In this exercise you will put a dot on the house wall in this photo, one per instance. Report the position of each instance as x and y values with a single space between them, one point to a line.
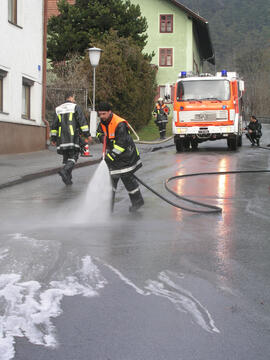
21 56
52 7
181 40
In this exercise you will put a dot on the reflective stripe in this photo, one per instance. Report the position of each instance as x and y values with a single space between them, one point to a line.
59 131
59 117
125 170
110 157
137 152
71 160
68 145
70 116
85 128
118 149
54 132
134 191
71 130
117 152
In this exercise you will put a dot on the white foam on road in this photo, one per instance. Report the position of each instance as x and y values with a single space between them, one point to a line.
171 290
3 253
27 309
27 306
182 299
127 281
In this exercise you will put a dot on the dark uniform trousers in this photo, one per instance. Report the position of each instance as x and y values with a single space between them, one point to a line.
70 158
131 186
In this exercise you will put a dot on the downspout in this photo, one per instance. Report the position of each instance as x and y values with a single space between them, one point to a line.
44 69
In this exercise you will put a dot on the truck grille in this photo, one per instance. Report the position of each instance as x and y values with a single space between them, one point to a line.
201 116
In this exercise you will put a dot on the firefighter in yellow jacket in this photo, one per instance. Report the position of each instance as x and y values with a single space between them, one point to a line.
122 156
68 123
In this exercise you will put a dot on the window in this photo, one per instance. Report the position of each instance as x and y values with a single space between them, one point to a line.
163 92
165 57
203 90
26 98
3 73
166 23
12 11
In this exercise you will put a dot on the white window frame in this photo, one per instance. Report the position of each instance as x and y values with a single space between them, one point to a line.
3 74
26 98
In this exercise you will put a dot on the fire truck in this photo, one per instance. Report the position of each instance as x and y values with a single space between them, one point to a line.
208 107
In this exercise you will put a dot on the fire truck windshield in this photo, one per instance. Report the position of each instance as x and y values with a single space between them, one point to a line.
203 90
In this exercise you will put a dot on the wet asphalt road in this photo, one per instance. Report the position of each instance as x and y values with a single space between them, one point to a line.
160 284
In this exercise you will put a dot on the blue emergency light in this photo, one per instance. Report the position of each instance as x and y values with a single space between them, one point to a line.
223 72
183 74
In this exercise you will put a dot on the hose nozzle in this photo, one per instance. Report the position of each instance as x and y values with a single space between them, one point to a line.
104 147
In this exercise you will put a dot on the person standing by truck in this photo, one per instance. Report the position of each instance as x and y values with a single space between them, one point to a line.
161 113
254 131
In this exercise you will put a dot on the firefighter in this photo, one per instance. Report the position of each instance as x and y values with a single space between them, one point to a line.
161 113
122 156
254 129
68 122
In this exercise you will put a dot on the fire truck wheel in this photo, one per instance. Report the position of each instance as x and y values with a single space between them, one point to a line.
232 143
179 144
186 143
194 144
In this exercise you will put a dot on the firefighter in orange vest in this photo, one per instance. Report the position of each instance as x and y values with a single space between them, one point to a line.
161 113
122 156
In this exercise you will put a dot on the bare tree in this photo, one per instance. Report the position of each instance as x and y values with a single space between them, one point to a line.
66 76
254 68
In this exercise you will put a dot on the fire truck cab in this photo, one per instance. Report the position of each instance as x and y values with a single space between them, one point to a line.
208 107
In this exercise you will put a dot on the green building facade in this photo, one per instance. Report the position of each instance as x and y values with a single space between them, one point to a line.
179 38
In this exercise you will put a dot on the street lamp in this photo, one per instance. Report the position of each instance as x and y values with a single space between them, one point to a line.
94 56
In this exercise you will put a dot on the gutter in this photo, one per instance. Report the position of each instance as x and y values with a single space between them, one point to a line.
44 70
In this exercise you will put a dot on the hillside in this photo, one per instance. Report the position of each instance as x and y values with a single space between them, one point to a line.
236 26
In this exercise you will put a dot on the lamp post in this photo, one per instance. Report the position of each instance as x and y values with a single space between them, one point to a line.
94 56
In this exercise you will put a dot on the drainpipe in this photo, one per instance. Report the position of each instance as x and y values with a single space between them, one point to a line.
44 69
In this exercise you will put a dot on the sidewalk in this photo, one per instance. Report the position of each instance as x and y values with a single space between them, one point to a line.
18 168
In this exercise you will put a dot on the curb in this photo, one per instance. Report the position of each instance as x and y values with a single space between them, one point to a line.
44 173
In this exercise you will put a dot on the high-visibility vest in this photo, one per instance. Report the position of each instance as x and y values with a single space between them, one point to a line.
162 107
112 126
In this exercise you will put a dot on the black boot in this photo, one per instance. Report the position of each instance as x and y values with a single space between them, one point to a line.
65 177
65 173
136 201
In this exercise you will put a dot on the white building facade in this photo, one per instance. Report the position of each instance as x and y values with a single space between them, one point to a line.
22 39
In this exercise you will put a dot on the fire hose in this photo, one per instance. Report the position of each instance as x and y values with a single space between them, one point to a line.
138 141
211 208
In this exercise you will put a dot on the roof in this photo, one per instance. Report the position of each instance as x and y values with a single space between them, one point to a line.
201 27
